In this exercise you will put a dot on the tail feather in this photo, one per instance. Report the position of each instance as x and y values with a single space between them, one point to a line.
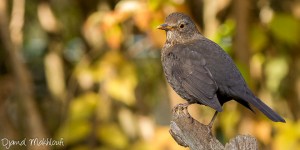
266 110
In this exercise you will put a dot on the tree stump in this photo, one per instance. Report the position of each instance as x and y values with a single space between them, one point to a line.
188 132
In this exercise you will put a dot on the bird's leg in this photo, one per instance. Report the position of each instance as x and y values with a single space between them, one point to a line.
213 119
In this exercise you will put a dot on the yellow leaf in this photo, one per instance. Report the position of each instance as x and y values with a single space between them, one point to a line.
74 131
118 77
111 135
84 106
114 36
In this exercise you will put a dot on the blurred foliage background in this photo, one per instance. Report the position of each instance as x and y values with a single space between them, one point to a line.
89 71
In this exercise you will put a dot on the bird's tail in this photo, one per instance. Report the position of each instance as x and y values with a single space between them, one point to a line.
265 109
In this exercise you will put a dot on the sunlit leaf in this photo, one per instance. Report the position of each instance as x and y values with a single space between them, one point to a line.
110 134
122 88
114 36
118 77
224 35
77 126
92 31
84 106
276 70
258 38
229 119
74 131
154 4
286 28
288 136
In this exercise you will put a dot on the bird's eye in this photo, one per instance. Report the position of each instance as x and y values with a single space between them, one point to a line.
181 26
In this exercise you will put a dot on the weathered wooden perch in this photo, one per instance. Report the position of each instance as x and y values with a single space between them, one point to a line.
188 132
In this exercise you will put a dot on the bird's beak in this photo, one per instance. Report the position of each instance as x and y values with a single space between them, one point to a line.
164 27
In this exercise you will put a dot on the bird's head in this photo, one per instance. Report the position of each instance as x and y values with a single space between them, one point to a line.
179 28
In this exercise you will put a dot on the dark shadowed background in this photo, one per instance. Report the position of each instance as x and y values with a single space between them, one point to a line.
88 72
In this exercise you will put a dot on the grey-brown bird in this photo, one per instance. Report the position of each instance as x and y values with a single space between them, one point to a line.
200 71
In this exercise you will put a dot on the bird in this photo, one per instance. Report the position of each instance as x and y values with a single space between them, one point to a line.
201 72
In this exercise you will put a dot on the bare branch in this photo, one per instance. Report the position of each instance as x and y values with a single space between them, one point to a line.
22 76
188 132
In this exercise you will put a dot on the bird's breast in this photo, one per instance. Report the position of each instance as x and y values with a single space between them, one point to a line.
172 78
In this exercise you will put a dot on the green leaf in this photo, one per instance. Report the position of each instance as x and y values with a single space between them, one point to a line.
287 136
74 131
111 135
224 35
258 38
77 127
118 77
276 70
286 28
84 106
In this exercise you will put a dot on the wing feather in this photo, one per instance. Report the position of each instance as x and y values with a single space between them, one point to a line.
190 69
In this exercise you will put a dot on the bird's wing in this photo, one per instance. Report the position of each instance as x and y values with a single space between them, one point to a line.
190 69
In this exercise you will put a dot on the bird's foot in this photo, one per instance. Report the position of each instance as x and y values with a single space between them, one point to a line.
213 120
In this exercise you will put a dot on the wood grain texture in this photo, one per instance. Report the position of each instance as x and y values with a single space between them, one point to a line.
188 132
